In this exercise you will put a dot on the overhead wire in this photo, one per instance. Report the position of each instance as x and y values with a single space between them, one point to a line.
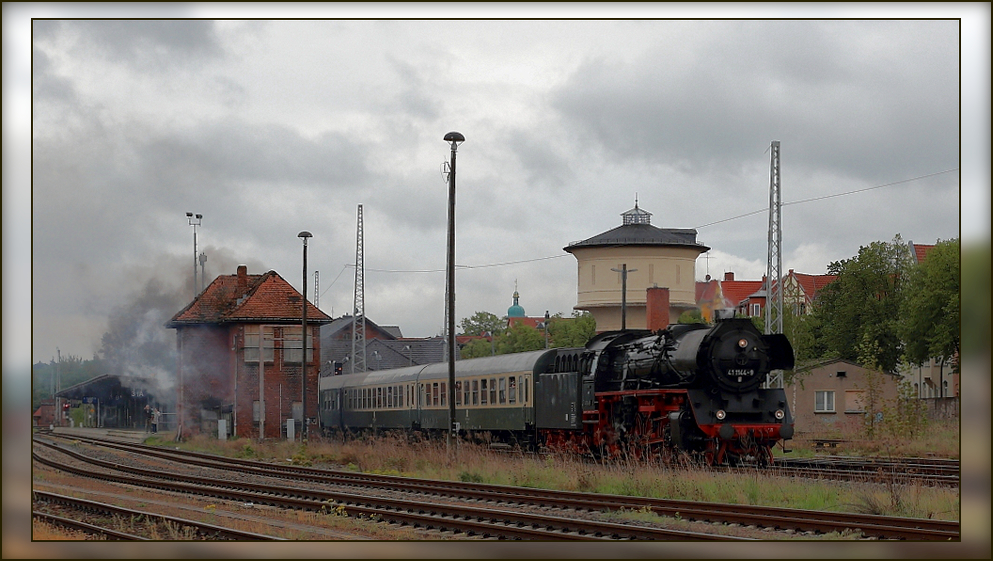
754 212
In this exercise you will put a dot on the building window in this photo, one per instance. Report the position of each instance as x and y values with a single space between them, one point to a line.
253 334
854 401
255 411
824 402
756 310
291 344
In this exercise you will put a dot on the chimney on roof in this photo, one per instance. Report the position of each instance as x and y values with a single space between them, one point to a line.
658 308
242 276
729 275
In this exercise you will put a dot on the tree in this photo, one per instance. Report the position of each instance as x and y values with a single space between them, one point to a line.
477 348
571 332
520 338
930 315
691 316
481 323
862 305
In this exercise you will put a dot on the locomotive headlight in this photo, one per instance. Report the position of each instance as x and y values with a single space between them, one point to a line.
780 414
720 414
742 343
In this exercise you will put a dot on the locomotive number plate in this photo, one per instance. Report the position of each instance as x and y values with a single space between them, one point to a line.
741 372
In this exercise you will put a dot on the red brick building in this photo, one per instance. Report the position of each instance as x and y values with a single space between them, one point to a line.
239 357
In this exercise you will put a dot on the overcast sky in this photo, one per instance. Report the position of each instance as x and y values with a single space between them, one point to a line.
271 127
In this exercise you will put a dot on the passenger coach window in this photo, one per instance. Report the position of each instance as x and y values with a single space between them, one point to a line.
458 393
503 391
493 391
482 392
475 392
444 394
512 398
434 393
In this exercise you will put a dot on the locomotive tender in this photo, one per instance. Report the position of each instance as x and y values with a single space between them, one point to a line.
693 389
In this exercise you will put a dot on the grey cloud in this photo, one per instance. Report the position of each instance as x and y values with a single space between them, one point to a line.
543 164
148 45
233 151
413 98
711 106
46 85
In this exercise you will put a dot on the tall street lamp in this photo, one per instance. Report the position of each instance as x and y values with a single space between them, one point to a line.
455 139
194 220
305 235
547 318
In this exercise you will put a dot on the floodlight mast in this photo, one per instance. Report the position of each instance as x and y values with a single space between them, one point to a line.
454 139
304 235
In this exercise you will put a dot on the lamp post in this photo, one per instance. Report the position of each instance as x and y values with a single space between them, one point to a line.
305 235
547 317
454 138
624 293
194 220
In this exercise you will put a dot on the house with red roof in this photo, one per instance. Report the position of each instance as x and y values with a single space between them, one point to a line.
241 358
748 297
936 380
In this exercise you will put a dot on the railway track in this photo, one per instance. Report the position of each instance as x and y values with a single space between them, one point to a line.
58 510
470 520
766 517
898 471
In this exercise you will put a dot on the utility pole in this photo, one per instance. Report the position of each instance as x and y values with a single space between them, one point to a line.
194 220
774 264
358 315
624 293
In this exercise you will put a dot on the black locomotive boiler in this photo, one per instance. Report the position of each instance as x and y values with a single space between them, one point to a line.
688 389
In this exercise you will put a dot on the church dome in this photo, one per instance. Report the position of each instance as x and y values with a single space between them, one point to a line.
516 311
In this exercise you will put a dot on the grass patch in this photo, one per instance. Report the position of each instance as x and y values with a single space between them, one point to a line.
394 454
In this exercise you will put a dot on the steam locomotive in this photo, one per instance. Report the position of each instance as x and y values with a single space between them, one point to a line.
687 391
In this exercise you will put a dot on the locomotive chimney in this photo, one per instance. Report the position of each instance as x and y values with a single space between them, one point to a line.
242 276
657 312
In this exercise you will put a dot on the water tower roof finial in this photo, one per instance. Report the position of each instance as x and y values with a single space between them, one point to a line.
636 215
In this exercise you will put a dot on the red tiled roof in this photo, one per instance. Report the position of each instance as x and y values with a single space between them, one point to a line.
921 251
256 298
812 284
735 290
528 321
706 291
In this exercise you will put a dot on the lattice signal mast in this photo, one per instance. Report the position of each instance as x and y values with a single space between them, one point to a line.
358 313
774 266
